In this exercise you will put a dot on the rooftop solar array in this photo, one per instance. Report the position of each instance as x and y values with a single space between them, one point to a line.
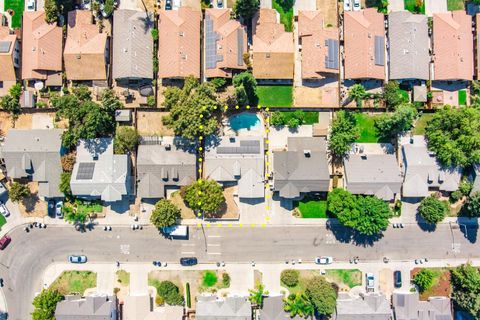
379 51
5 46
240 33
85 170
211 38
239 150
331 60
249 143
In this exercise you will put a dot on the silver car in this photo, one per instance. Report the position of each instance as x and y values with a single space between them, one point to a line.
356 5
77 259
346 5
323 260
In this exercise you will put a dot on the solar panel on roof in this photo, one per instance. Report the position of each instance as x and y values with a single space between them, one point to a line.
85 170
211 38
331 60
239 150
244 143
379 51
5 46
240 47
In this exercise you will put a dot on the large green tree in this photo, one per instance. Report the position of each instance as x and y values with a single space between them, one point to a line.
322 295
245 89
298 305
344 133
357 93
126 139
11 102
18 191
424 279
192 109
392 94
204 195
246 9
165 214
257 295
432 209
466 289
391 125
45 304
366 214
454 135
472 207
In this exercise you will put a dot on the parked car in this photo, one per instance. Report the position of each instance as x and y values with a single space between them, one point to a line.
4 210
59 209
323 260
370 281
51 208
220 4
397 279
346 5
86 4
4 241
168 4
77 259
356 5
190 261
31 5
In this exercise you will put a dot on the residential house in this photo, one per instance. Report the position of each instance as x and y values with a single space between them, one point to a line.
87 51
319 46
232 160
141 308
163 168
408 46
225 43
373 174
179 43
272 309
132 48
98 173
301 168
9 58
408 306
364 44
452 46
230 308
422 171
88 308
42 46
371 306
273 47
35 154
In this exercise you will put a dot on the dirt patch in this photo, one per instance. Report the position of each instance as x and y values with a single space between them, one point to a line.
186 213
329 8
315 97
441 283
33 206
149 123
230 208
122 285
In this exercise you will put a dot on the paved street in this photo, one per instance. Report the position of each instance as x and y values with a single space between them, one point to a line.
25 260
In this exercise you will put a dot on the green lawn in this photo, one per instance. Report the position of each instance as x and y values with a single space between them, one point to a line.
348 277
286 14
70 282
410 5
123 277
462 97
365 124
311 117
421 123
93 207
312 208
2 221
275 96
17 7
455 5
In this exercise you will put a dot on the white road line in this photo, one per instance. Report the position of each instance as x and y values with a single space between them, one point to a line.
187 252
213 245
216 253
188 245
214 236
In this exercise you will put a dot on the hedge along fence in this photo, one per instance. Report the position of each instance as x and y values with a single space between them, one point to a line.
187 295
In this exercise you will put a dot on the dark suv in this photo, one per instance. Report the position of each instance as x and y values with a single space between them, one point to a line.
188 261
397 279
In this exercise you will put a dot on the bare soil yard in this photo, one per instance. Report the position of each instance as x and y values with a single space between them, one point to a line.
329 8
32 206
150 123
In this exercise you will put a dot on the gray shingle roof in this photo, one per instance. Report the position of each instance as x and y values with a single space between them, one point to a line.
373 174
232 308
366 307
132 44
36 154
88 308
407 306
409 50
303 168
272 309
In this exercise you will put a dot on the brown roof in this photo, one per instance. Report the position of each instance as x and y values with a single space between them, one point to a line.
84 53
314 37
452 46
42 46
273 48
179 43
7 67
229 47
362 29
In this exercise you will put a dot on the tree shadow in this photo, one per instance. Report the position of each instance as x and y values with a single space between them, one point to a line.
424 225
30 202
348 235
469 228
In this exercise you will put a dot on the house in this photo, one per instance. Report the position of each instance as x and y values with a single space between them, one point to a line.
319 45
272 309
9 58
35 154
409 49
42 46
132 47
98 173
302 168
364 44
87 51
273 48
232 160
141 308
179 43
423 172
452 46
225 43
373 174
163 168
88 308
230 308
408 306
371 306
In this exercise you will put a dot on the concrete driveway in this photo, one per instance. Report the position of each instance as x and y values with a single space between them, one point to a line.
396 5
435 6
304 5
266 4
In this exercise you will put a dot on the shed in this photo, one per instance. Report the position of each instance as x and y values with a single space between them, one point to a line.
420 94
28 99
123 115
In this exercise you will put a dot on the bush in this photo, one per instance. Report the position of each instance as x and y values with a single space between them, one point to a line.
187 295
68 161
209 279
432 209
116 290
455 196
170 293
465 187
322 295
289 277
226 280
424 279
151 101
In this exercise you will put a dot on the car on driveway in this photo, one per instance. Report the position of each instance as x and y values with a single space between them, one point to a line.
51 208
4 241
347 5
59 209
370 281
323 260
77 259
168 4
356 5
31 5
190 261
397 279
4 210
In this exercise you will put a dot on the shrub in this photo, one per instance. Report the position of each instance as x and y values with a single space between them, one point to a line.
226 280
151 101
170 293
116 290
187 295
465 187
432 209
424 279
289 277
68 161
455 196
209 279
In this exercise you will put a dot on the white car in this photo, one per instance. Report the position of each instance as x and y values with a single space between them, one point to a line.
31 5
370 281
4 210
346 5
323 260
356 5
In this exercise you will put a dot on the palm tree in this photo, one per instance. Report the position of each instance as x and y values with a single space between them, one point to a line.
298 305
257 295
357 93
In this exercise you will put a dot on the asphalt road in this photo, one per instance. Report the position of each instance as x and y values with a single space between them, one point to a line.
24 261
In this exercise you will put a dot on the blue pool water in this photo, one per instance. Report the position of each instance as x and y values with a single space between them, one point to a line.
244 120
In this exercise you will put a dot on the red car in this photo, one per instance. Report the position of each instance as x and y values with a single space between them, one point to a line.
4 242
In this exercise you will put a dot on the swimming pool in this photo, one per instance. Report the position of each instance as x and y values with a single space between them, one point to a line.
244 120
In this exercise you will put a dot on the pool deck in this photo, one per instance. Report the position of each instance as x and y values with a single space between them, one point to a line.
257 130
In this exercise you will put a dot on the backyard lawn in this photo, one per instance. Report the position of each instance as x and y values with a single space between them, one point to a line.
421 123
286 13
312 208
345 277
17 7
365 124
311 117
2 221
462 98
275 96
70 282
455 5
411 5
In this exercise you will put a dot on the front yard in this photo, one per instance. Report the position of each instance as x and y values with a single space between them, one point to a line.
441 283
310 208
275 96
70 282
286 13
366 126
344 277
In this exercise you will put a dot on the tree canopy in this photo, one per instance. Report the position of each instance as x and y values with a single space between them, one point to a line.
126 140
257 294
432 209
391 125
322 295
64 186
424 279
245 89
392 94
454 135
170 293
11 102
165 214
366 214
204 195
45 304
357 93
246 9
18 191
298 305
472 207
344 133
466 289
